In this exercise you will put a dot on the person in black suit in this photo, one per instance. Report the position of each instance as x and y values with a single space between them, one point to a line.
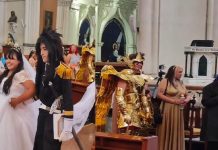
54 89
209 128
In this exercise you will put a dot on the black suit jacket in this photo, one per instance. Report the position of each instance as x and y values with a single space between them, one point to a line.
209 130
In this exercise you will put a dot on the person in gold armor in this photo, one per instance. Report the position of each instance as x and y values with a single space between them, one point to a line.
86 72
171 131
131 96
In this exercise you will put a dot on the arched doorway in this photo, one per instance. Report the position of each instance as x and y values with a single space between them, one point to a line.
113 38
202 69
84 32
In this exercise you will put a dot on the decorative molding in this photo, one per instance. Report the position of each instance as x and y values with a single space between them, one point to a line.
64 2
201 49
29 45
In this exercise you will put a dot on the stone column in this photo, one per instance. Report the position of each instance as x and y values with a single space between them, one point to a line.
191 63
148 35
215 71
31 25
97 44
210 20
186 61
68 21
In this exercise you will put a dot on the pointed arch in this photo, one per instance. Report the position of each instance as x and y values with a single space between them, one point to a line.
202 66
113 34
84 32
116 13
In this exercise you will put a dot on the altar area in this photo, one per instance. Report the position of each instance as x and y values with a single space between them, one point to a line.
200 65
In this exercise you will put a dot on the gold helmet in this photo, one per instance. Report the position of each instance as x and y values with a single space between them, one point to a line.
88 49
139 58
130 59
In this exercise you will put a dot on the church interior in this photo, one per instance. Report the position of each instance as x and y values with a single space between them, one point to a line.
105 32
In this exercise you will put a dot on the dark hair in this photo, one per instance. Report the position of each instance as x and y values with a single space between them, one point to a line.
10 53
54 46
170 74
31 54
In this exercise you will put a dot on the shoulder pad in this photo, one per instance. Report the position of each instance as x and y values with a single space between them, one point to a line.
127 71
64 72
109 70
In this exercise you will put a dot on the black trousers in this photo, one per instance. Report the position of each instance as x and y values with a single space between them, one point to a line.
44 139
212 145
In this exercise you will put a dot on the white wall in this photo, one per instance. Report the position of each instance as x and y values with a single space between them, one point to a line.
5 13
2 22
181 21
215 23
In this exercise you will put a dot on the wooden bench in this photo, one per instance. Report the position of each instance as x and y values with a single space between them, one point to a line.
112 141
78 89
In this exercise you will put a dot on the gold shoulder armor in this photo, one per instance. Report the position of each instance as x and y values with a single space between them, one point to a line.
110 70
64 72
127 71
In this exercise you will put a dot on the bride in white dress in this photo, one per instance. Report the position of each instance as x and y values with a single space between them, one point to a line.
18 113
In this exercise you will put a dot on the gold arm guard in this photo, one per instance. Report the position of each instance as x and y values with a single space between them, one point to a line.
146 112
91 69
120 100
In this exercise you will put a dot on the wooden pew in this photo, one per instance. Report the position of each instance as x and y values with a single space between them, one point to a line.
78 89
112 141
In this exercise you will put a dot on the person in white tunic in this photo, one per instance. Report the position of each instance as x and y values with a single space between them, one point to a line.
18 115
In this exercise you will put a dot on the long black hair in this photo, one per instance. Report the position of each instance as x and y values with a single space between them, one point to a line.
10 55
52 41
171 74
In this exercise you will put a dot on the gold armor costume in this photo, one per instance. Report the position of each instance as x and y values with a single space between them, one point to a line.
134 107
86 71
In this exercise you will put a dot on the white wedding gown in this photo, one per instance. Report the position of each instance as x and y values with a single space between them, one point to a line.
17 125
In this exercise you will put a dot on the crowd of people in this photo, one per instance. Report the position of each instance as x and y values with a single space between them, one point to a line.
35 91
47 75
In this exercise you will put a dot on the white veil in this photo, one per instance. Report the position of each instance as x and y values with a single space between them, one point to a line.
29 69
32 74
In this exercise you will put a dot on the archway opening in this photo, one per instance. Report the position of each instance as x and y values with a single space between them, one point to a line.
202 69
114 41
84 32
